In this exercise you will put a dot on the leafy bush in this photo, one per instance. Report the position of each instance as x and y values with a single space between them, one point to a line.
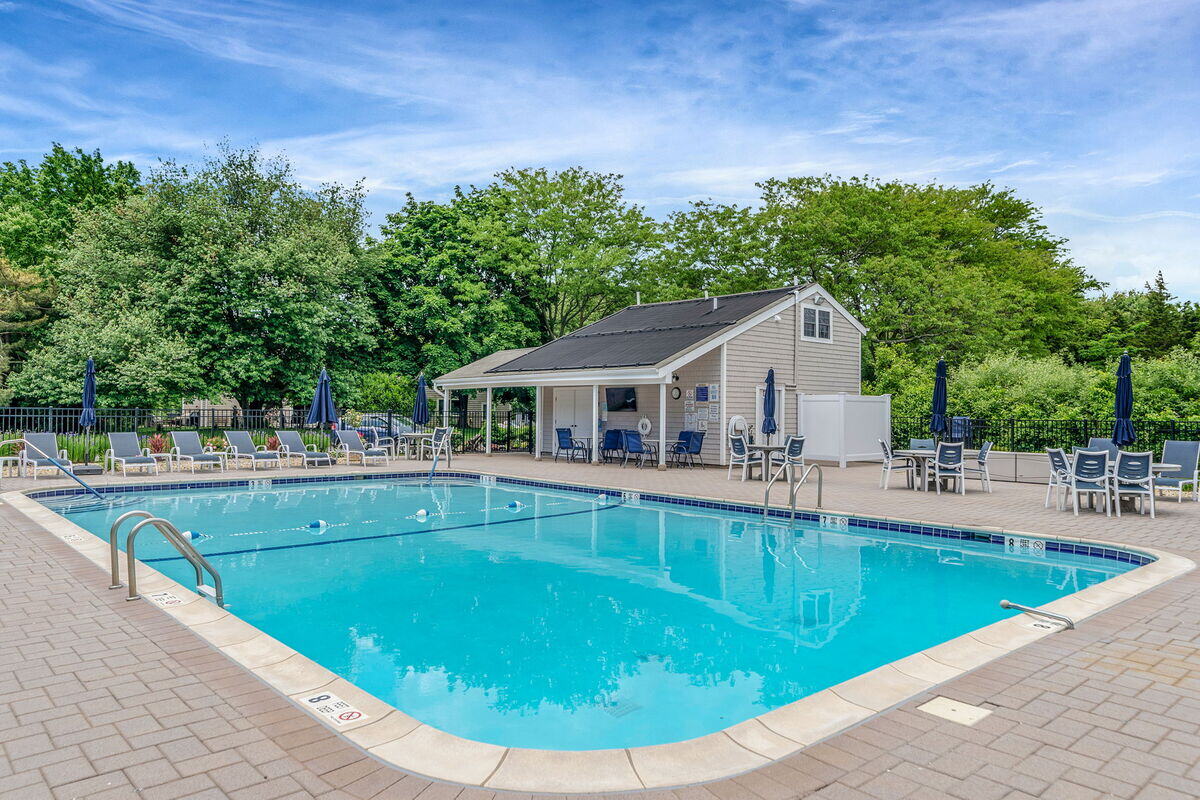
1005 386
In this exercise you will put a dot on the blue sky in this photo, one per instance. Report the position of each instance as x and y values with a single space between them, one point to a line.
1091 108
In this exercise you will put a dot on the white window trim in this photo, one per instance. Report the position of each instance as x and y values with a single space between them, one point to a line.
818 309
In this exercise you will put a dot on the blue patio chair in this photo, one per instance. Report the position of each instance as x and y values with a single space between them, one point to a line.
569 445
1132 475
1096 443
1187 456
922 444
687 449
634 446
1060 474
740 456
792 455
1089 475
948 464
611 447
980 470
679 446
894 463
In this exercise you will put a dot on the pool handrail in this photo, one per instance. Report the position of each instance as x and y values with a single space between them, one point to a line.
793 486
53 461
1065 620
185 549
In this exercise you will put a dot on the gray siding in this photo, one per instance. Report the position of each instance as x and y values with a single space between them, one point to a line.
823 367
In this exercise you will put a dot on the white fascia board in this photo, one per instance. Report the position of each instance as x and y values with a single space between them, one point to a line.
558 378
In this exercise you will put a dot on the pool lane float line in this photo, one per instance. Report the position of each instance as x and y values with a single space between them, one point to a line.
374 537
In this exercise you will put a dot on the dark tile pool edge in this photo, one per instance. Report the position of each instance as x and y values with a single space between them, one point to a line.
1130 556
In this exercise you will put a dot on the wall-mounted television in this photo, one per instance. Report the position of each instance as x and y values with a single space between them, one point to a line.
621 399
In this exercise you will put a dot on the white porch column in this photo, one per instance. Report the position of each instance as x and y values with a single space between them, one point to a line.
446 394
537 423
662 426
724 432
487 417
595 423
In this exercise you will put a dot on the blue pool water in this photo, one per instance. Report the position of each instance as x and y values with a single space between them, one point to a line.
551 619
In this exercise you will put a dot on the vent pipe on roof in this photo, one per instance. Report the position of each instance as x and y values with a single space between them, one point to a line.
715 303
637 298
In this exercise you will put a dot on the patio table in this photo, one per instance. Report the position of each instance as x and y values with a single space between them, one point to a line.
921 455
766 450
412 441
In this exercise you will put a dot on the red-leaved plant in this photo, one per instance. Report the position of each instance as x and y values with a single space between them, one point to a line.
272 442
157 443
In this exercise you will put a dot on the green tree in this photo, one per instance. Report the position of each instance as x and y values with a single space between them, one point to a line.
230 276
441 282
932 269
580 247
39 204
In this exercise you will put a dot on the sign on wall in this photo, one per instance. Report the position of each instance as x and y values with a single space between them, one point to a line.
714 392
702 393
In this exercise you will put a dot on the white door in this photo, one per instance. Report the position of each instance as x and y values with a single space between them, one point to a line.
573 409
780 415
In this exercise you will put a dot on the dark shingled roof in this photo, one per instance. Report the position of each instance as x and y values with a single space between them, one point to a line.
639 336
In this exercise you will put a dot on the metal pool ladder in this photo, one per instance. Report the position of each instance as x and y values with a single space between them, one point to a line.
793 486
177 540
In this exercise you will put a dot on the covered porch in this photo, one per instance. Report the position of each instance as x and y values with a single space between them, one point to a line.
656 401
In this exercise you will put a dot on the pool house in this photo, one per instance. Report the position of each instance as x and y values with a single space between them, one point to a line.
695 365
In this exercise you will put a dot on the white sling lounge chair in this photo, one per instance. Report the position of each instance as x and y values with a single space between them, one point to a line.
125 450
242 448
190 450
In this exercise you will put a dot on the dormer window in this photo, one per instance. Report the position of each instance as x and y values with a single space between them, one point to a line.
817 324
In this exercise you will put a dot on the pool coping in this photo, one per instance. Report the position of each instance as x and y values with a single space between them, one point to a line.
404 742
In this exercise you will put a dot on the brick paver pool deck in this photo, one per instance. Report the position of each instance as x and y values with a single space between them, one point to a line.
102 698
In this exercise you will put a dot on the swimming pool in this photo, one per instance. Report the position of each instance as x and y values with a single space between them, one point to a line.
576 620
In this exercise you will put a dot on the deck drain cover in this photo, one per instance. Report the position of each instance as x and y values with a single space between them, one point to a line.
954 710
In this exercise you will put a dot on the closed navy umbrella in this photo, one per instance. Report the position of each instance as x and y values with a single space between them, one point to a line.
769 426
937 412
1123 433
87 417
420 415
323 411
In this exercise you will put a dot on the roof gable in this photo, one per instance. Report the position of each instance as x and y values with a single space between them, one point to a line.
644 335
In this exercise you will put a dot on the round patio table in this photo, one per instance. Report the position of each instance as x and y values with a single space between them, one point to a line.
765 451
413 441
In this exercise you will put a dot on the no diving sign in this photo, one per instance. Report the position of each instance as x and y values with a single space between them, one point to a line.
333 708
1024 546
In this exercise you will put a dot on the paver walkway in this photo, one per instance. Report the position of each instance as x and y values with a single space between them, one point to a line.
101 698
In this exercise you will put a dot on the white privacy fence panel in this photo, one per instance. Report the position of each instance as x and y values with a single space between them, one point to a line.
843 427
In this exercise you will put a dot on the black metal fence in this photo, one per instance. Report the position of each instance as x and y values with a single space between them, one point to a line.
512 430
1035 435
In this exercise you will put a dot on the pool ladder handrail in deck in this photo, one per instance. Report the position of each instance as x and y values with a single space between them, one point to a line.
793 485
1065 620
54 461
176 539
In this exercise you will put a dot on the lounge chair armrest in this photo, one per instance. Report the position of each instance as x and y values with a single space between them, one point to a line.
146 452
175 451
312 448
262 448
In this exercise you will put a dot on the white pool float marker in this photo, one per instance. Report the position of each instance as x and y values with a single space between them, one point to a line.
421 515
318 523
